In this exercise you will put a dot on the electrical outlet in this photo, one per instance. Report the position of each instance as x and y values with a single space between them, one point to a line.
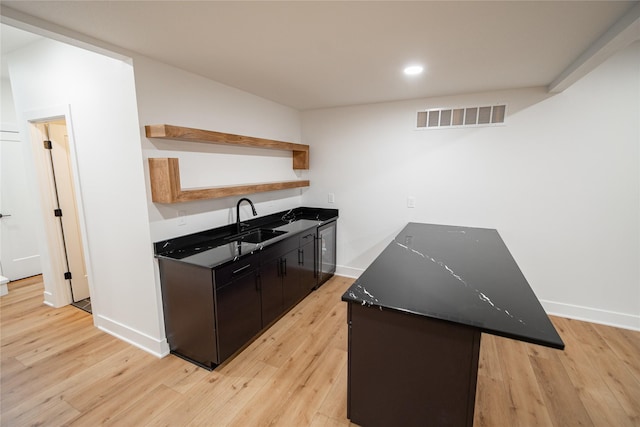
331 198
182 219
411 202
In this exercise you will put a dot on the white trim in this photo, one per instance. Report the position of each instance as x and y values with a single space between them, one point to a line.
61 294
48 298
159 348
4 289
351 272
593 315
26 258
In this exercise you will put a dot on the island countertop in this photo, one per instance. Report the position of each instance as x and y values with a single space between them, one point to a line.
458 274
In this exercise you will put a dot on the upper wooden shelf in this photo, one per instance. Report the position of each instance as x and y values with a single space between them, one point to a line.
300 151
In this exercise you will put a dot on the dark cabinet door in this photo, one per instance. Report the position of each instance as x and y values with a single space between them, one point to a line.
306 260
238 313
290 270
271 284
187 299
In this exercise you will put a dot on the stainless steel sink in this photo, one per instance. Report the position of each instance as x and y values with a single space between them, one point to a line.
257 236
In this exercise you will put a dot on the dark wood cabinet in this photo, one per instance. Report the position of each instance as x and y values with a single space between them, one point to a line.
189 313
292 292
212 313
280 278
271 286
238 312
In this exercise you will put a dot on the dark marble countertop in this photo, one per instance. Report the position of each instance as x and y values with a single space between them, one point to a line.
212 248
459 274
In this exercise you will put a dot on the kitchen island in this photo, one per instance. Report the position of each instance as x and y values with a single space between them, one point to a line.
415 318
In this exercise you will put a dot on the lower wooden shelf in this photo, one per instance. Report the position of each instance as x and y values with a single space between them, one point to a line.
165 185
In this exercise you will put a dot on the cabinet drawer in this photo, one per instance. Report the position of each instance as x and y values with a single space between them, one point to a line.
278 249
236 269
307 237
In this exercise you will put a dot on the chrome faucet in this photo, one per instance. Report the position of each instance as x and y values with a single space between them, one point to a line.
253 208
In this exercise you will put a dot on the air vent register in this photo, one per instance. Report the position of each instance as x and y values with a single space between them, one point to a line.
461 117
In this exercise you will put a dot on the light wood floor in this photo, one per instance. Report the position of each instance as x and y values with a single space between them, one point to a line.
58 369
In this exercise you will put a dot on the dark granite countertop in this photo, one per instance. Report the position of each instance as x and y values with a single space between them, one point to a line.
211 248
459 274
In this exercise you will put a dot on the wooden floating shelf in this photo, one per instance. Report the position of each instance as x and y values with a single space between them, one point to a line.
165 185
300 151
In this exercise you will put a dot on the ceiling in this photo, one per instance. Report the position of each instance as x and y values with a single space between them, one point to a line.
314 54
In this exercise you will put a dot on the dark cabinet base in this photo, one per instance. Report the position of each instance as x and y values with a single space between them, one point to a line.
188 302
410 371
217 298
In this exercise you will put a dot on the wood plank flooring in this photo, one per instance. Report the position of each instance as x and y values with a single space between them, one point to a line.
58 369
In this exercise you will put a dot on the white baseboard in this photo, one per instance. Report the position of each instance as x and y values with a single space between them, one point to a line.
353 273
48 299
157 347
594 315
4 289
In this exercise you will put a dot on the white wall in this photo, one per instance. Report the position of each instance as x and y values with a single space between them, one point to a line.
560 182
7 109
100 93
167 95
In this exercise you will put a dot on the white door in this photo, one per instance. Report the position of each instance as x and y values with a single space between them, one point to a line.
19 254
64 196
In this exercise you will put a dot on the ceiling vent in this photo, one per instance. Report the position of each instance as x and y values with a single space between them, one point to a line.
461 117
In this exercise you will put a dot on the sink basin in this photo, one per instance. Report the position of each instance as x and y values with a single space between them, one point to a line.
257 236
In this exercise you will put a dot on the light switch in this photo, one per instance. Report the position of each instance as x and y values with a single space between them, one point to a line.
331 198
411 202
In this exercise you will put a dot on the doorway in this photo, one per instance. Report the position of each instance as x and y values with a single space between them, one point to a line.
52 151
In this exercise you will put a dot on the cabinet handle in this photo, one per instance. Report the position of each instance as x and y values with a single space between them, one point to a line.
258 282
241 269
283 266
300 256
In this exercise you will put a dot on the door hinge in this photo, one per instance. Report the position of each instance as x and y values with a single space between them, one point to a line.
57 212
67 275
47 145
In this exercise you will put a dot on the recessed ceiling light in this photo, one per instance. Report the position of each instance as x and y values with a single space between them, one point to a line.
412 70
